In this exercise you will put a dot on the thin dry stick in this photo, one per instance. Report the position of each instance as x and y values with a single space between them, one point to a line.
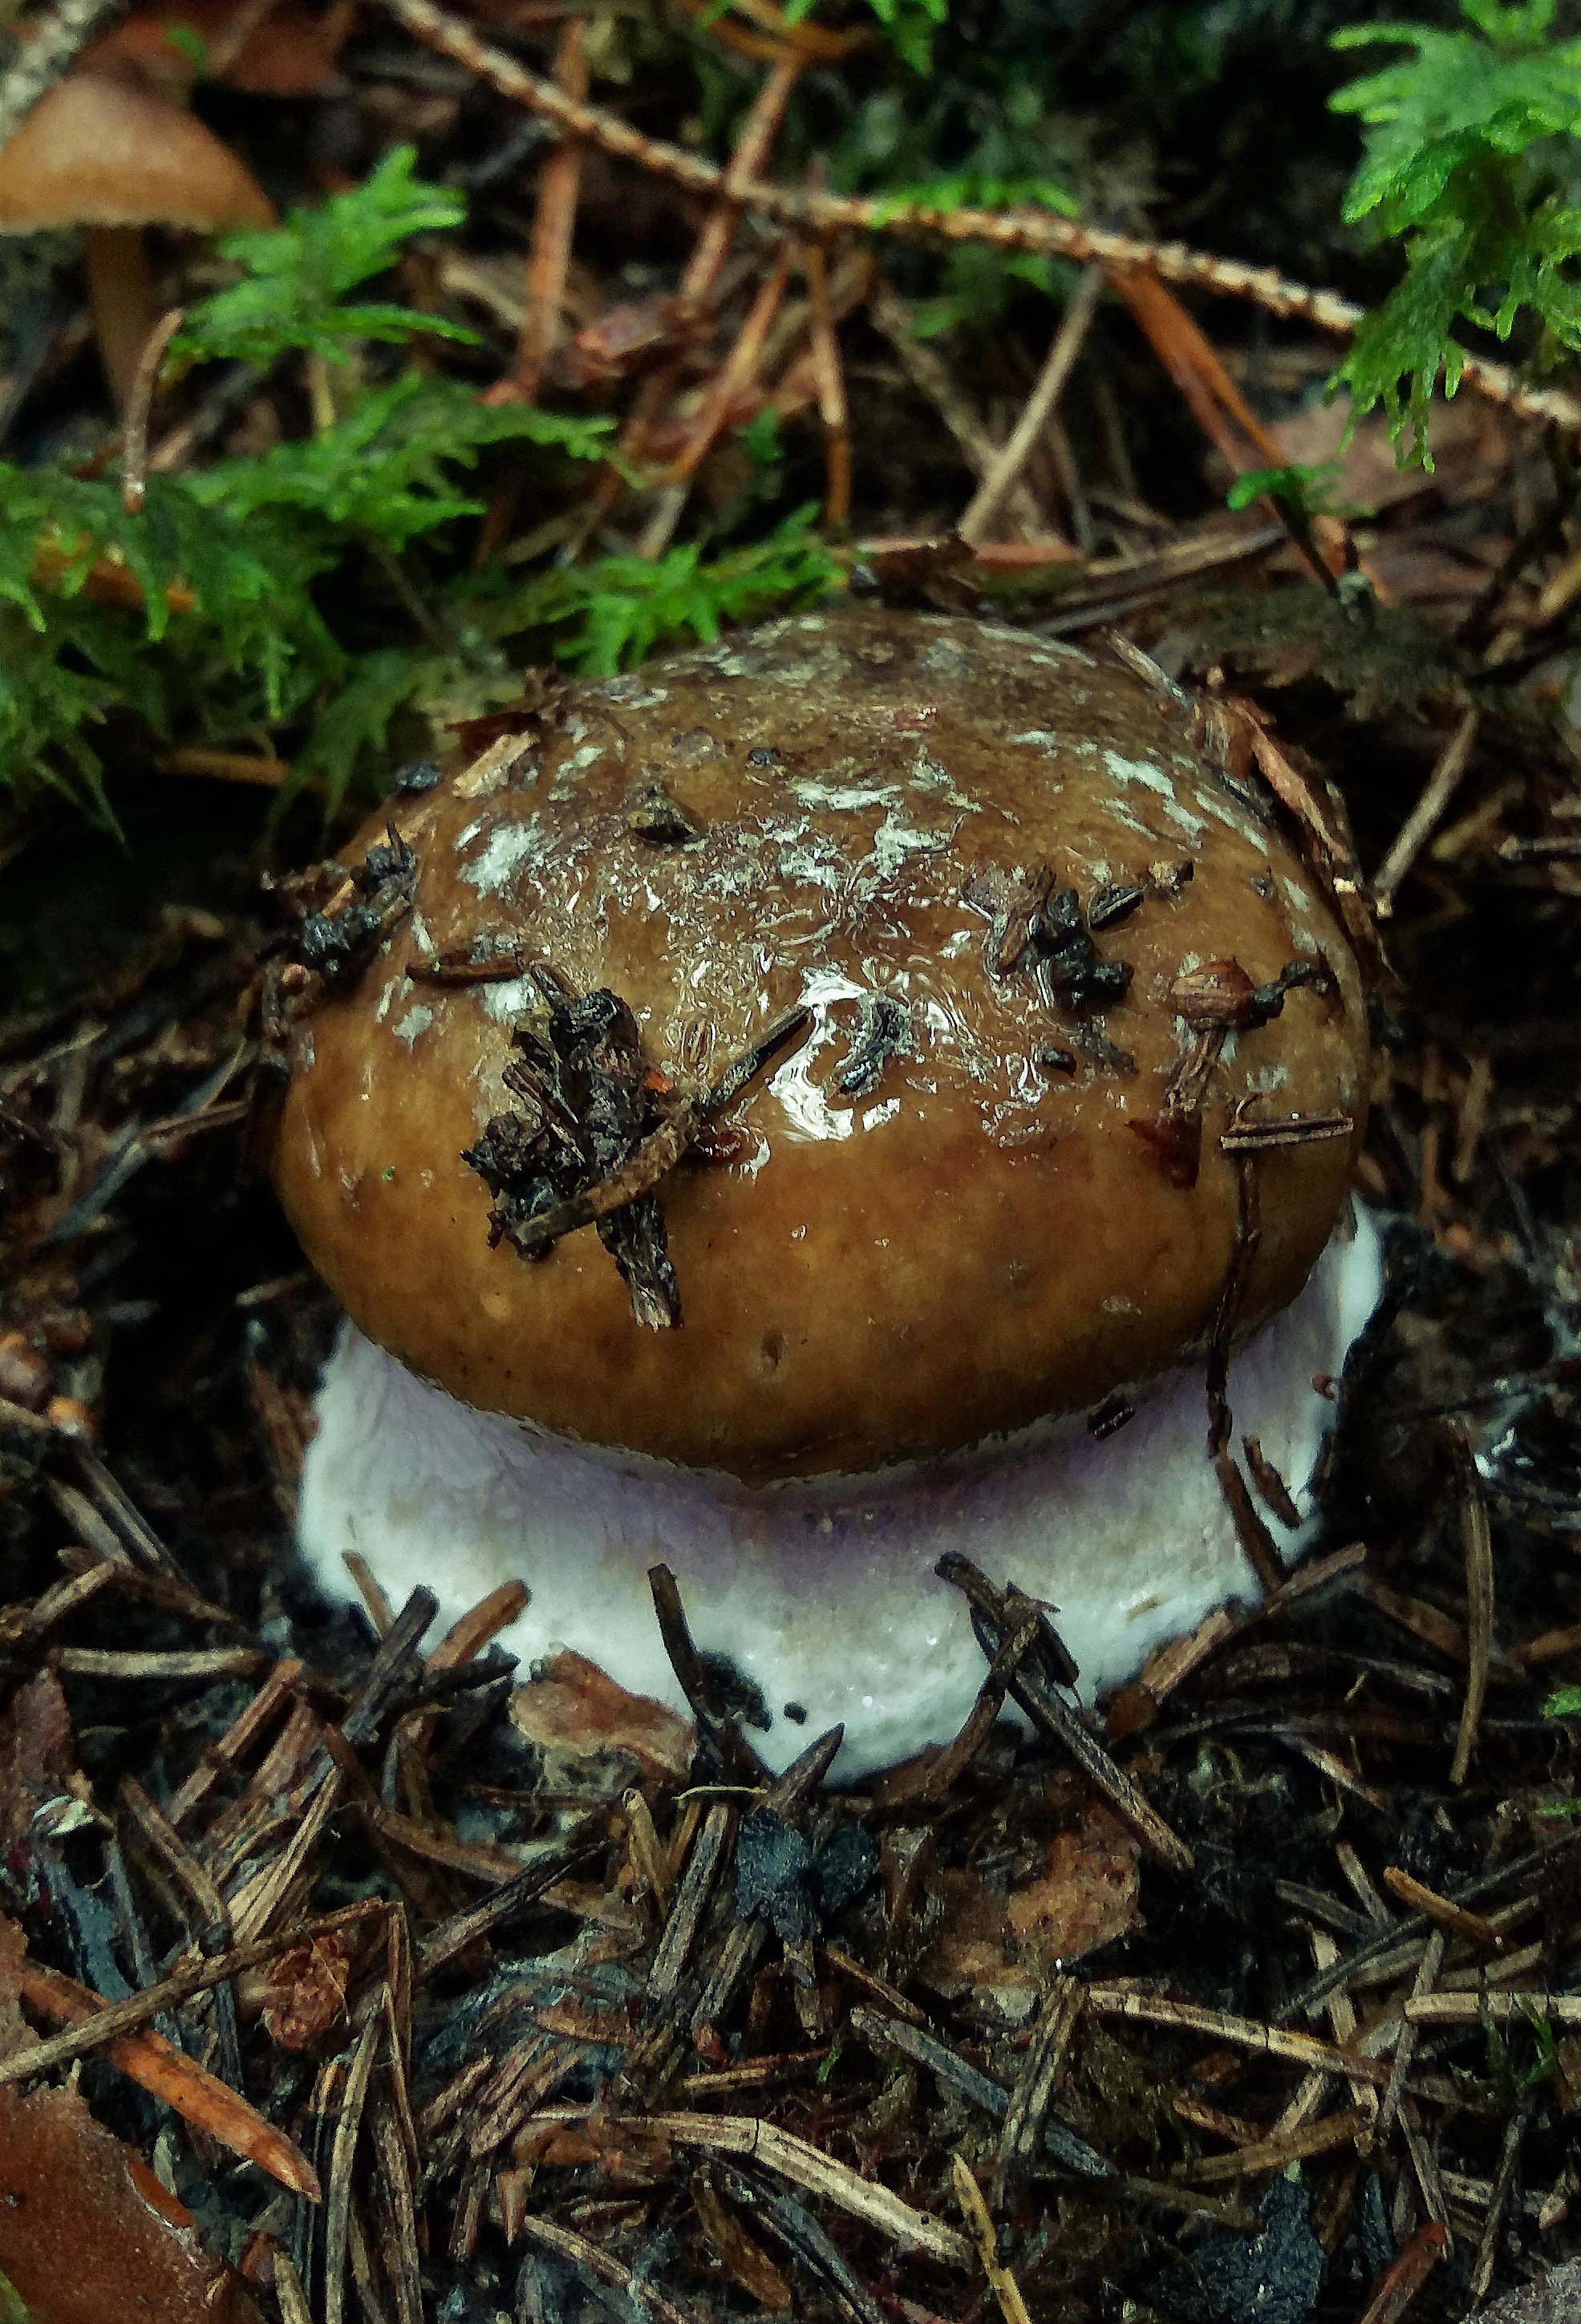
276 1692
1059 2141
805 2166
830 378
1022 2137
695 295
1419 1898
255 1905
975 2211
593 2260
288 2289
752 149
94 2023
338 2217
139 404
479 1626
139 1663
1283 2148
1540 1861
1342 2021
1026 230
1503 2008
35 1618
1476 1540
936 383
814 43
186 2086
1423 819
1223 413
1488 2249
1399 2285
1060 1720
1038 409
1426 1976
1242 2033
1195 365
734 375
673 1948
1261 1550
553 225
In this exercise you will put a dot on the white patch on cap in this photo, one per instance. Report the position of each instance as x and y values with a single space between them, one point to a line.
508 846
805 1107
415 1023
807 854
508 998
928 774
1041 649
842 799
1148 772
895 839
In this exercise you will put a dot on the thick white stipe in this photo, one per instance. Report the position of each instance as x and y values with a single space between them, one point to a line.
823 1593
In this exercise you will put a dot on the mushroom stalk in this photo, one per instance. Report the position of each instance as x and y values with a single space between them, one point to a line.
121 294
824 1595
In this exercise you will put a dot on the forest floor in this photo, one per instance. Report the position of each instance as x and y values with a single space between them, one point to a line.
338 1977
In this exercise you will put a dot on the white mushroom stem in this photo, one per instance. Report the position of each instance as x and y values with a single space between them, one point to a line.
823 1593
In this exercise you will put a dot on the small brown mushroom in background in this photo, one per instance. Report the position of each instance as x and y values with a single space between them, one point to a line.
102 151
290 51
717 1117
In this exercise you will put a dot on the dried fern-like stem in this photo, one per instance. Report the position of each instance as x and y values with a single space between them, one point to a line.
821 213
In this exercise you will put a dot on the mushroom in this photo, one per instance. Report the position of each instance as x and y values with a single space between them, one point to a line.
760 1111
102 151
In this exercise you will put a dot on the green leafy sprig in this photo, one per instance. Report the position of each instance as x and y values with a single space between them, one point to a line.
1468 161
296 278
315 596
908 25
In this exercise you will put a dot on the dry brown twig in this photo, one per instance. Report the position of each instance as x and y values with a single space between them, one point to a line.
831 383
139 406
700 281
554 221
1399 2285
694 296
937 384
1038 409
734 376
1477 1541
1030 231
1420 825
979 2223
813 43
148 2059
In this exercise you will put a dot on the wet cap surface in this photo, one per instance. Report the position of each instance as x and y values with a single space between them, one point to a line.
994 872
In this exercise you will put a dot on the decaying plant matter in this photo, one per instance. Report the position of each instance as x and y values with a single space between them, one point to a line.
338 1976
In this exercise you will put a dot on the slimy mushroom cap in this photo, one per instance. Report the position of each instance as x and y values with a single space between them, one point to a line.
1022 912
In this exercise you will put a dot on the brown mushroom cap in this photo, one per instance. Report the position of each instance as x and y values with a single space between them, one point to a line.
973 1242
100 150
